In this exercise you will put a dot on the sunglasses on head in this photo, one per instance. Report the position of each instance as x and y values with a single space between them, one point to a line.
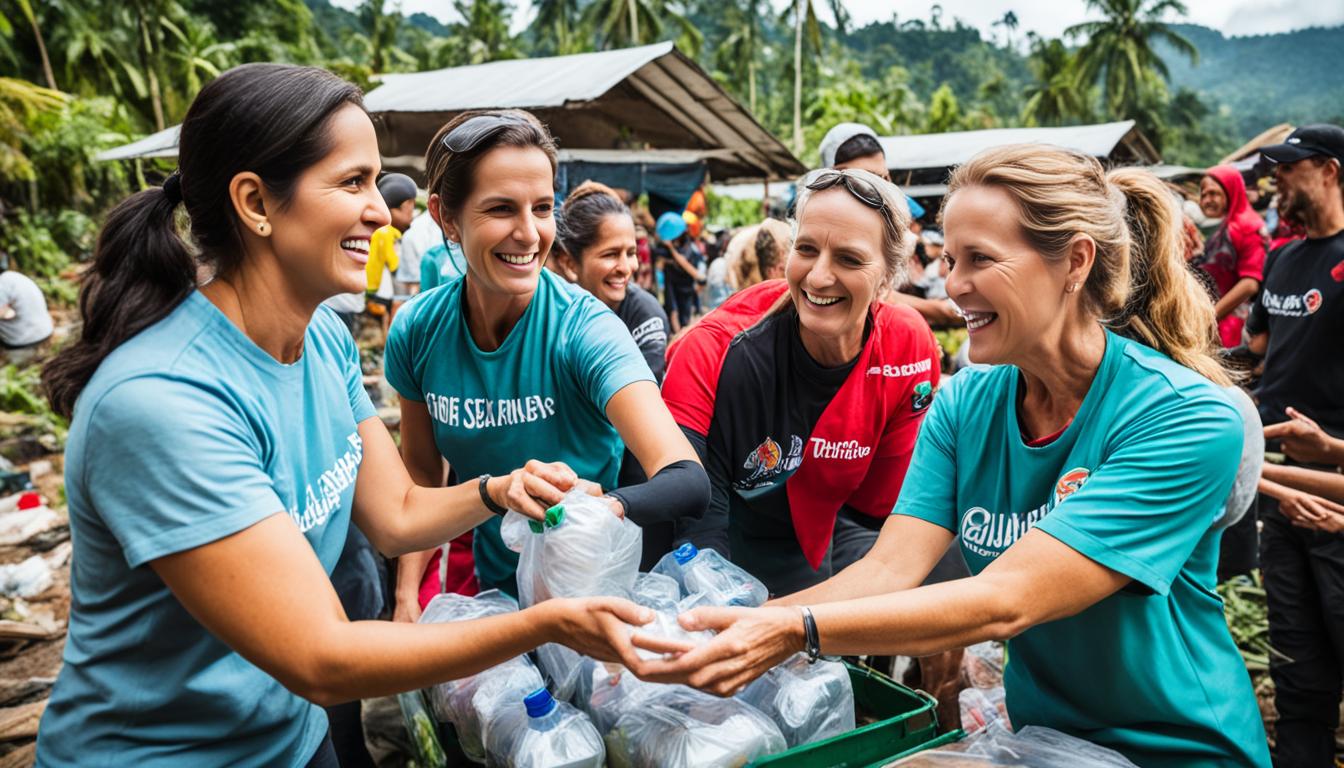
472 132
861 189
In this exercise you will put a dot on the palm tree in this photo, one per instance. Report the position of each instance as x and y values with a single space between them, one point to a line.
1009 23
483 34
1119 49
1057 95
739 52
804 14
557 24
623 23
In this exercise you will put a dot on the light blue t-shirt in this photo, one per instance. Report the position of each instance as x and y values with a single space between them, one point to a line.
1132 484
188 433
542 395
442 263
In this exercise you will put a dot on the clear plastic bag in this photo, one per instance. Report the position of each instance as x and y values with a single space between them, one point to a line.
606 693
981 706
472 703
678 727
982 665
535 731
666 626
582 550
809 702
653 589
706 572
422 729
1031 747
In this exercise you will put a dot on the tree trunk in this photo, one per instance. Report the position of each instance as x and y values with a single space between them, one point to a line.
798 76
147 55
633 5
42 51
751 85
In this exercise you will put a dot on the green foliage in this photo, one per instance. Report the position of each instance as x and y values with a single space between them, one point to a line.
20 393
45 244
732 213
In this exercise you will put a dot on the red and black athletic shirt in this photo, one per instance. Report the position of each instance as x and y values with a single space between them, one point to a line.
787 442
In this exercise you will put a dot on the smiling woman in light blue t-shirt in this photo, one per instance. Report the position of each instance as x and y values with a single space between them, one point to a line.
510 363
1081 469
222 444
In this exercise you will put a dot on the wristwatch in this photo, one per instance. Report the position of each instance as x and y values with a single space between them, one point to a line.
485 497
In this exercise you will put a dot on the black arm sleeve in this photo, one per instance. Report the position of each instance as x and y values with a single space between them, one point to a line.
709 531
676 492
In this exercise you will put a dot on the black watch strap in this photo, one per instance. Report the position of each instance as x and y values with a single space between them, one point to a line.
485 497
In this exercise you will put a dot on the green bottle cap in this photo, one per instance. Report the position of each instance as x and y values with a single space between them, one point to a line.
555 516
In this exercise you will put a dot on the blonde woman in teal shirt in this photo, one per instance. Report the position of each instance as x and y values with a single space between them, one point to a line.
1081 468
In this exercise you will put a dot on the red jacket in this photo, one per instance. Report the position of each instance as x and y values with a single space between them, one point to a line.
1236 249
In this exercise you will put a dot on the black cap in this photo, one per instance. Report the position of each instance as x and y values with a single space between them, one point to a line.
1319 139
396 189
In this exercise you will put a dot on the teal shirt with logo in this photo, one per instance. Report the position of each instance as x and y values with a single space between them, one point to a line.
1132 484
442 263
186 434
541 395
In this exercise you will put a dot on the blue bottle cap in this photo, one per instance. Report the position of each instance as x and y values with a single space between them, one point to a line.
685 553
539 703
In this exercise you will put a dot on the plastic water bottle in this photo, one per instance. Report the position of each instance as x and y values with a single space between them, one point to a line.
544 733
723 583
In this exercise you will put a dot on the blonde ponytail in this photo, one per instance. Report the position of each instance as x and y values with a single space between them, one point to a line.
1167 308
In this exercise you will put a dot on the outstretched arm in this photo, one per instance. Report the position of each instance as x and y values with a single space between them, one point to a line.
287 619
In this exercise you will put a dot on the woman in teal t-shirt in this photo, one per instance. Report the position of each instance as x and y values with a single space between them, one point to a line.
511 362
221 444
1081 469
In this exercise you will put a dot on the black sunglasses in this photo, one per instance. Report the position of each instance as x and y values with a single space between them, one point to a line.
861 189
472 132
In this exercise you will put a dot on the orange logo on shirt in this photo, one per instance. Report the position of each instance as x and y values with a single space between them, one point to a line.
1070 482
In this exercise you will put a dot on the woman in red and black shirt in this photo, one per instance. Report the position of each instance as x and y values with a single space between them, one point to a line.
803 396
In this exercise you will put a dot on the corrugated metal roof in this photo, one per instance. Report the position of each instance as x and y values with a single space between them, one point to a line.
512 84
944 150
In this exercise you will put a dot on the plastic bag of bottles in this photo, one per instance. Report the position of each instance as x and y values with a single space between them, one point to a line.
706 571
980 706
1033 746
581 550
536 731
472 703
424 734
809 702
607 692
677 727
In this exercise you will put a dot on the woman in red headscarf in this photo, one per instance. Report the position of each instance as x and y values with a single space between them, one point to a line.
1234 255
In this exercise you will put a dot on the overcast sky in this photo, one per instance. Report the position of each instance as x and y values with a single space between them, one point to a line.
1045 17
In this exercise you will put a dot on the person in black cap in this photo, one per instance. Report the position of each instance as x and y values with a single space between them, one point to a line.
1297 323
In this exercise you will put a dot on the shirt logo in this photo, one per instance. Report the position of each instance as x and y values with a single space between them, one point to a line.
988 534
318 505
769 460
922 396
650 330
1312 300
1070 482
902 371
846 450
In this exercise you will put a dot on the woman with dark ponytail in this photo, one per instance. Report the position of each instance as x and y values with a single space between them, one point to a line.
1082 466
221 445
595 242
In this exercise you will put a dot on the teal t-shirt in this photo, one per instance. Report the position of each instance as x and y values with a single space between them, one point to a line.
1132 484
188 433
542 395
441 264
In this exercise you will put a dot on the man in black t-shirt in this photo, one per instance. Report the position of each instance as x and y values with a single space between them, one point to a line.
1297 323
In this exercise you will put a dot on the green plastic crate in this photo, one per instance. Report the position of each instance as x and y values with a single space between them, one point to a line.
945 739
907 722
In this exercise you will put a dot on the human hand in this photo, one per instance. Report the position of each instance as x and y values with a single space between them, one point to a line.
1304 440
407 608
597 626
1306 510
750 641
534 488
